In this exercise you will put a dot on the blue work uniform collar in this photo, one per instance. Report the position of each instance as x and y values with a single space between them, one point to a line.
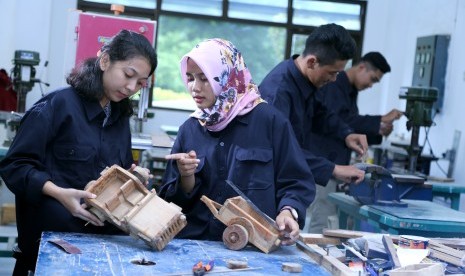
306 87
93 110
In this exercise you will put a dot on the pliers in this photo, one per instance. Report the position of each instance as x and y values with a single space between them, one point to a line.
199 269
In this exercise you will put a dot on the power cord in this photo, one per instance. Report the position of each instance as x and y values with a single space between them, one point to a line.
427 141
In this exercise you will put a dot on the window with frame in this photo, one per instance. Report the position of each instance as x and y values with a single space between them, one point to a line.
266 32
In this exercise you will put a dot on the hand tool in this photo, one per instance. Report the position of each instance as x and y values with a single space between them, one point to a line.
200 269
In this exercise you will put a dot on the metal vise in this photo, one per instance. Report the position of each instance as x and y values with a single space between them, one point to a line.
380 187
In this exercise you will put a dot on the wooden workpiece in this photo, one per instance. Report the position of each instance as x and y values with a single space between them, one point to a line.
391 251
345 234
431 269
7 213
311 238
456 243
446 253
236 264
244 225
291 267
330 263
123 200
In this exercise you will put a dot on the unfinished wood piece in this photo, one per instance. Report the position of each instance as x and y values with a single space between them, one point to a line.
375 250
123 200
319 239
291 267
142 174
237 211
456 243
446 253
346 234
335 252
429 269
333 265
355 253
236 264
8 213
391 251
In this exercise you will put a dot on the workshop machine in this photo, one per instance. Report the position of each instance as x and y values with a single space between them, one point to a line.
11 120
419 111
24 75
381 187
87 33
23 79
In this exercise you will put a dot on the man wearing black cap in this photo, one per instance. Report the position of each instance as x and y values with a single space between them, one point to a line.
341 97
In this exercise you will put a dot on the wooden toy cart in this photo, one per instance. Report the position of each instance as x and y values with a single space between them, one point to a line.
123 200
244 225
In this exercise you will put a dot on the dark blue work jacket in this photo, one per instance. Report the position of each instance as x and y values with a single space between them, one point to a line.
288 90
257 152
61 139
341 97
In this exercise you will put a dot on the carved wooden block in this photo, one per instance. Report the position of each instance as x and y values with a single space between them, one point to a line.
244 225
123 200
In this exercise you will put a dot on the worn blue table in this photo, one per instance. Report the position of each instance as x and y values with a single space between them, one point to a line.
450 191
114 255
421 218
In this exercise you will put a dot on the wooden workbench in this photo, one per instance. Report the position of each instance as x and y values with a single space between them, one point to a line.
421 218
112 255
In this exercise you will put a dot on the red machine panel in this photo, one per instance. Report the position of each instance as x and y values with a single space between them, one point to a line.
94 30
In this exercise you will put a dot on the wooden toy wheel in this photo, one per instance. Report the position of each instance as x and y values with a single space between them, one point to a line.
96 212
235 237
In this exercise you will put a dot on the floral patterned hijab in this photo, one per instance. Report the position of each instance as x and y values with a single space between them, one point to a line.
225 69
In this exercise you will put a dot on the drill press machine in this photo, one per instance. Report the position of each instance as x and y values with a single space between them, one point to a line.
419 111
24 75
380 186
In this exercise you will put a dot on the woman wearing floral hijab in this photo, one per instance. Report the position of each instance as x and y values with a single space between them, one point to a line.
234 135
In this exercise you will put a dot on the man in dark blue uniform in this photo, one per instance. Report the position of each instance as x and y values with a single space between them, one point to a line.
341 97
291 87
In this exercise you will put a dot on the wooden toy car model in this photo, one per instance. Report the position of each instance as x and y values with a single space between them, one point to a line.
244 225
123 200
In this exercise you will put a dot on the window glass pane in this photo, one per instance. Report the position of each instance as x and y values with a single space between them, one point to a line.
261 46
263 10
206 7
145 4
316 13
298 43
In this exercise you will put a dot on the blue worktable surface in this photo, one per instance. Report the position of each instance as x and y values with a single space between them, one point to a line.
112 255
428 217
422 218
